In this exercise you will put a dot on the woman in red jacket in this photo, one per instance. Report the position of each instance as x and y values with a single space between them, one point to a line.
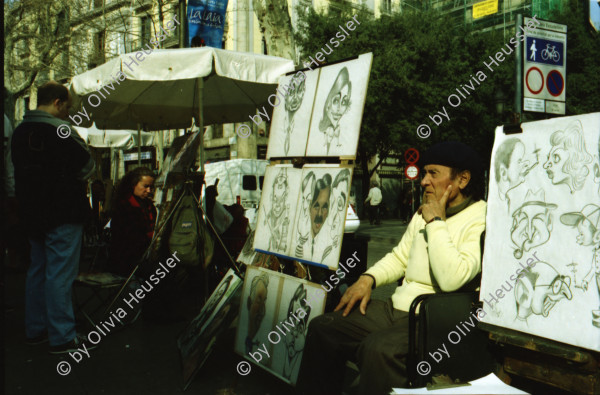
133 219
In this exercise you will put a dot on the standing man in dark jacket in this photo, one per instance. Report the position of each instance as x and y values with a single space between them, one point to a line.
51 168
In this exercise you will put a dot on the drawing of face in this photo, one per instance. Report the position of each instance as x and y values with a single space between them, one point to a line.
531 227
338 106
338 101
219 293
308 184
555 164
339 196
319 210
540 289
295 338
279 196
567 159
294 97
586 232
257 303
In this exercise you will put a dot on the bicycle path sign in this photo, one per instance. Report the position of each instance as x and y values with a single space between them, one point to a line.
545 68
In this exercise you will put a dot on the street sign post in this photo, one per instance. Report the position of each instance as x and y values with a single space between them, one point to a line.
545 68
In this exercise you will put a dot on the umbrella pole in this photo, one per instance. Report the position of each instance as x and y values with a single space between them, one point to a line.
139 145
201 122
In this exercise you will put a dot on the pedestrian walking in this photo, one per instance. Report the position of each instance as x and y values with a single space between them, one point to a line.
51 169
374 200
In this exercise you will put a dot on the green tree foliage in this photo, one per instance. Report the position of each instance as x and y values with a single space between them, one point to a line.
583 59
421 58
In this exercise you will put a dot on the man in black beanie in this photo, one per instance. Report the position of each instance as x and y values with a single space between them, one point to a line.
439 252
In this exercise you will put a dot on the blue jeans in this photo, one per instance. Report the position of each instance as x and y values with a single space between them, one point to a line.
48 290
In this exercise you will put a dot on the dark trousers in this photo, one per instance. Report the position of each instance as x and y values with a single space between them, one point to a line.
374 214
377 341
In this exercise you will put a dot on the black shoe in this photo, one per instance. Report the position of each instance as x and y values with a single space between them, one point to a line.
74 345
36 341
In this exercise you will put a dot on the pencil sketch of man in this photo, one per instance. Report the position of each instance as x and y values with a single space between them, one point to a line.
293 101
532 223
511 166
278 216
308 184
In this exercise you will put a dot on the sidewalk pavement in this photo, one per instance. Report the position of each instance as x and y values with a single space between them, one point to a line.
143 358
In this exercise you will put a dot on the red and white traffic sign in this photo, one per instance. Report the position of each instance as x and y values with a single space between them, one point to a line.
411 172
544 67
411 156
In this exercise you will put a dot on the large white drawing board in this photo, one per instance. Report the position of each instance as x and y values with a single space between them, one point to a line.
338 109
319 112
541 265
291 117
302 213
277 209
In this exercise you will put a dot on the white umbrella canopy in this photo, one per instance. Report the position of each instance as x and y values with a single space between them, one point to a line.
122 139
165 88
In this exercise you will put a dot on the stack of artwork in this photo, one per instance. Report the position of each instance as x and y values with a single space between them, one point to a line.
198 339
302 213
322 113
541 265
274 315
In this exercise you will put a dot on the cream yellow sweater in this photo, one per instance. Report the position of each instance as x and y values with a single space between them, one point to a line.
440 257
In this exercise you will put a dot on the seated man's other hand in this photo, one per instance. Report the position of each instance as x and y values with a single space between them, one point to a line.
359 291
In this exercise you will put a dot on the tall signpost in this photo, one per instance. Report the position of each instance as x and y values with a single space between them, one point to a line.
545 68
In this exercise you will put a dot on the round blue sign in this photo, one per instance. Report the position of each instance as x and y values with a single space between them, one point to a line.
555 83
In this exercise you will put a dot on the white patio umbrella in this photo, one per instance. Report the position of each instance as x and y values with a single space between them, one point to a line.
122 139
169 88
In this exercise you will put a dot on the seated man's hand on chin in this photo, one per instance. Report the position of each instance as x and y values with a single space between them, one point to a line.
359 291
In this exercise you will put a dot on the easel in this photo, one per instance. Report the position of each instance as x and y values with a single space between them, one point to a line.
546 361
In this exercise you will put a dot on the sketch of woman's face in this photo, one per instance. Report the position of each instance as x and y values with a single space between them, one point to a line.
338 105
555 164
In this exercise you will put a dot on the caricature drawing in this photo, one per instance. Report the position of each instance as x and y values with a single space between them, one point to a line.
296 337
587 222
538 289
293 101
194 329
308 185
277 218
338 204
597 168
532 223
568 159
511 166
318 212
336 105
256 305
